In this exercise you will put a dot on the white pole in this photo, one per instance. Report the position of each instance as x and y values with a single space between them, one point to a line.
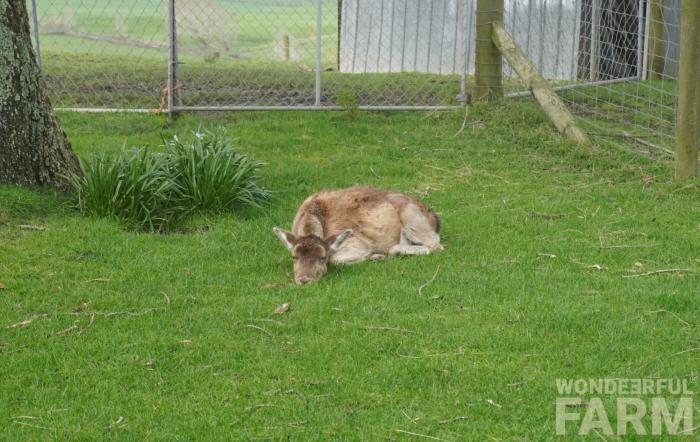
595 41
172 57
645 58
318 52
640 38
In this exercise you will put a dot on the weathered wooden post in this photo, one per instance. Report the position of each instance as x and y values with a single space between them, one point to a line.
688 118
285 45
488 68
543 92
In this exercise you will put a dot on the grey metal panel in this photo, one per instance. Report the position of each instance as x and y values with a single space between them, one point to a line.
425 35
673 37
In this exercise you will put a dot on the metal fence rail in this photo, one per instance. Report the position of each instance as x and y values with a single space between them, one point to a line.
333 54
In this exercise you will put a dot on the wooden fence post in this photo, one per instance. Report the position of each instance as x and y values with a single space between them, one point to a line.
543 92
488 68
688 118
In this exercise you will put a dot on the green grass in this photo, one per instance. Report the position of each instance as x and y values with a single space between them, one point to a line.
500 321
119 81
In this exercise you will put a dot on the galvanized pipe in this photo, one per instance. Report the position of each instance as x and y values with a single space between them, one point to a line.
310 108
318 52
172 57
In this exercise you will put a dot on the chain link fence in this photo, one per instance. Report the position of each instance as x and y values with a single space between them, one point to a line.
615 62
629 53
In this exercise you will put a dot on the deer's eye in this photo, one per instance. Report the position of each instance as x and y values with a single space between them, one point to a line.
294 258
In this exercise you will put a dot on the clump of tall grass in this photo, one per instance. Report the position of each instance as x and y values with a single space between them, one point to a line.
212 176
157 190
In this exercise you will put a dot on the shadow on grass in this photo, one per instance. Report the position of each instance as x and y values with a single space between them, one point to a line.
20 205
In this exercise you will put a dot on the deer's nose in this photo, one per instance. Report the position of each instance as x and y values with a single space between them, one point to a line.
304 280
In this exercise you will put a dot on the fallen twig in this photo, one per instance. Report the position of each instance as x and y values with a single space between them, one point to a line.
255 407
447 421
419 435
420 289
31 227
535 214
432 355
100 280
267 320
27 322
670 313
493 403
464 122
31 425
646 143
657 272
92 321
626 246
397 329
690 350
689 430
67 330
125 312
261 329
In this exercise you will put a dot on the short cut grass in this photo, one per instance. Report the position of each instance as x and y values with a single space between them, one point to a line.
132 336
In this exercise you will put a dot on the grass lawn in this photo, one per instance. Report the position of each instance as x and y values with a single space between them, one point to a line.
172 337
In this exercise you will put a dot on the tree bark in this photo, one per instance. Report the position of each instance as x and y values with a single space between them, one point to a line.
34 149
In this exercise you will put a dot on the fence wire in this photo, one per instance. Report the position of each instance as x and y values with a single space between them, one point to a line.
631 50
615 62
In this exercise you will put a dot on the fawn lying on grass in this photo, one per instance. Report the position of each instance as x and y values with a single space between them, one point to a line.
352 225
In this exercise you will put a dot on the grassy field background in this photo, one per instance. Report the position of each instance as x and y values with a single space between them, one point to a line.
111 334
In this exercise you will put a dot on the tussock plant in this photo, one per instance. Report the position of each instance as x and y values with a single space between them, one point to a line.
212 176
155 191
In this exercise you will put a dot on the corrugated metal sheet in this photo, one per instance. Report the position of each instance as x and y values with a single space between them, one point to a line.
437 36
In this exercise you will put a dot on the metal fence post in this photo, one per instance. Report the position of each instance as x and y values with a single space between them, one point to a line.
688 124
594 65
172 59
35 23
640 39
318 52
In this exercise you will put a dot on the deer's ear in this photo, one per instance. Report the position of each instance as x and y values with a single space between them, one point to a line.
335 241
287 238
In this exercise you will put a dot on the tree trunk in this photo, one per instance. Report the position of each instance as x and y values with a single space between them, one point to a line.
34 149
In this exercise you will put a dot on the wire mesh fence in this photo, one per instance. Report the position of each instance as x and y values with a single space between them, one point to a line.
615 62
629 52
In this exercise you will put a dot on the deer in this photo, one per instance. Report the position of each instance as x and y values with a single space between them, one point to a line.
352 225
